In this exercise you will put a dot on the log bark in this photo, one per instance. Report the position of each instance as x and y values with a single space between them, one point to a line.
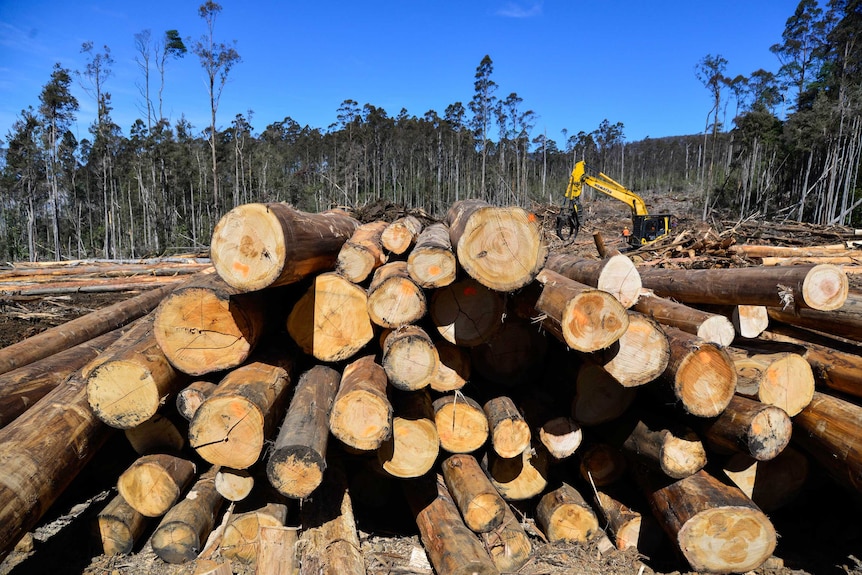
233 423
690 509
330 321
361 414
410 358
584 318
639 356
79 330
479 503
845 321
128 382
784 380
700 374
277 554
329 542
362 253
674 449
522 477
182 532
599 397
190 398
401 234
466 313
824 287
154 483
234 484
255 246
500 247
564 515
207 325
451 547
120 526
764 251
510 433
707 326
413 447
508 544
828 430
21 388
241 540
432 263
616 275
453 371
41 452
393 298
770 484
461 423
298 456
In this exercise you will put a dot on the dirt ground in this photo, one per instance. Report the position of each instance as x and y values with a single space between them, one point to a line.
819 532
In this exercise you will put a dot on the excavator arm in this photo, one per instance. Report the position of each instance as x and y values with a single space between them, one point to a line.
606 185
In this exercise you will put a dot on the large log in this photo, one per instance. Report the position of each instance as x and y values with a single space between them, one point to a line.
120 526
393 298
784 380
330 321
401 234
241 539
451 546
233 423
466 313
715 526
500 247
584 318
700 374
845 321
255 246
362 253
297 459
750 427
564 515
410 358
829 431
510 433
481 506
207 325
41 452
79 330
184 529
461 423
154 483
414 444
707 326
616 275
361 414
823 287
128 382
765 251
432 263
639 356
21 388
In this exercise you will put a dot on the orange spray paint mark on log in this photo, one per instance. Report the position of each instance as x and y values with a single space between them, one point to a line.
241 268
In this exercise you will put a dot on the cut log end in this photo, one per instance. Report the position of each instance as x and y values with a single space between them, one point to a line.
717 329
705 381
123 394
228 431
727 539
593 320
620 278
251 254
295 471
825 287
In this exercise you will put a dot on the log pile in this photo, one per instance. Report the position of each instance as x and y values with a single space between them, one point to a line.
327 360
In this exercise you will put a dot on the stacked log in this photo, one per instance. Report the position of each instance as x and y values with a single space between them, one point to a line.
462 360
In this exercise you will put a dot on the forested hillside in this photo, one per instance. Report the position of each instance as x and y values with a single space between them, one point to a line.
775 145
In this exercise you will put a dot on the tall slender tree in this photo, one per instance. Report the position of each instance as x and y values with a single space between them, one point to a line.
482 105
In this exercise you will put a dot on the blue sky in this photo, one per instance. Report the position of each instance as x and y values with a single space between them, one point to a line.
573 63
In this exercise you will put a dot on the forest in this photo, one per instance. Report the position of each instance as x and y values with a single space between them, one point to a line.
783 145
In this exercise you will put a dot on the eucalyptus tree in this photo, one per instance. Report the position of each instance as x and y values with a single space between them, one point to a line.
217 59
57 110
710 71
483 105
23 171
801 48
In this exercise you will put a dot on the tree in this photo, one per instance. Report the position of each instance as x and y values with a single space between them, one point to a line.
804 36
482 105
170 48
217 59
22 175
57 108
710 71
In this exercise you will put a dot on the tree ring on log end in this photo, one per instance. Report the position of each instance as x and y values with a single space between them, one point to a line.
705 381
727 539
251 254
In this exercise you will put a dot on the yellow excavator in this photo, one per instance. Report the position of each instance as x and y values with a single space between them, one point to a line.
645 229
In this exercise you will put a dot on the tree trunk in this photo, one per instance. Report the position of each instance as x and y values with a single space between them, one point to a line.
410 358
822 287
413 447
234 484
673 449
564 515
689 509
466 313
154 483
241 539
500 247
845 322
452 548
510 433
432 263
784 380
362 253
255 246
361 414
231 426
481 506
401 234
393 298
330 321
207 326
120 526
616 275
184 529
521 477
77 331
128 382
639 356
159 434
707 326
190 398
298 457
461 423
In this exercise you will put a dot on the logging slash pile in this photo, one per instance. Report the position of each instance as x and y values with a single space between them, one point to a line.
471 374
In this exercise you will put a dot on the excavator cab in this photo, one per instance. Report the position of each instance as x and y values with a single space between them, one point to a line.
647 229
